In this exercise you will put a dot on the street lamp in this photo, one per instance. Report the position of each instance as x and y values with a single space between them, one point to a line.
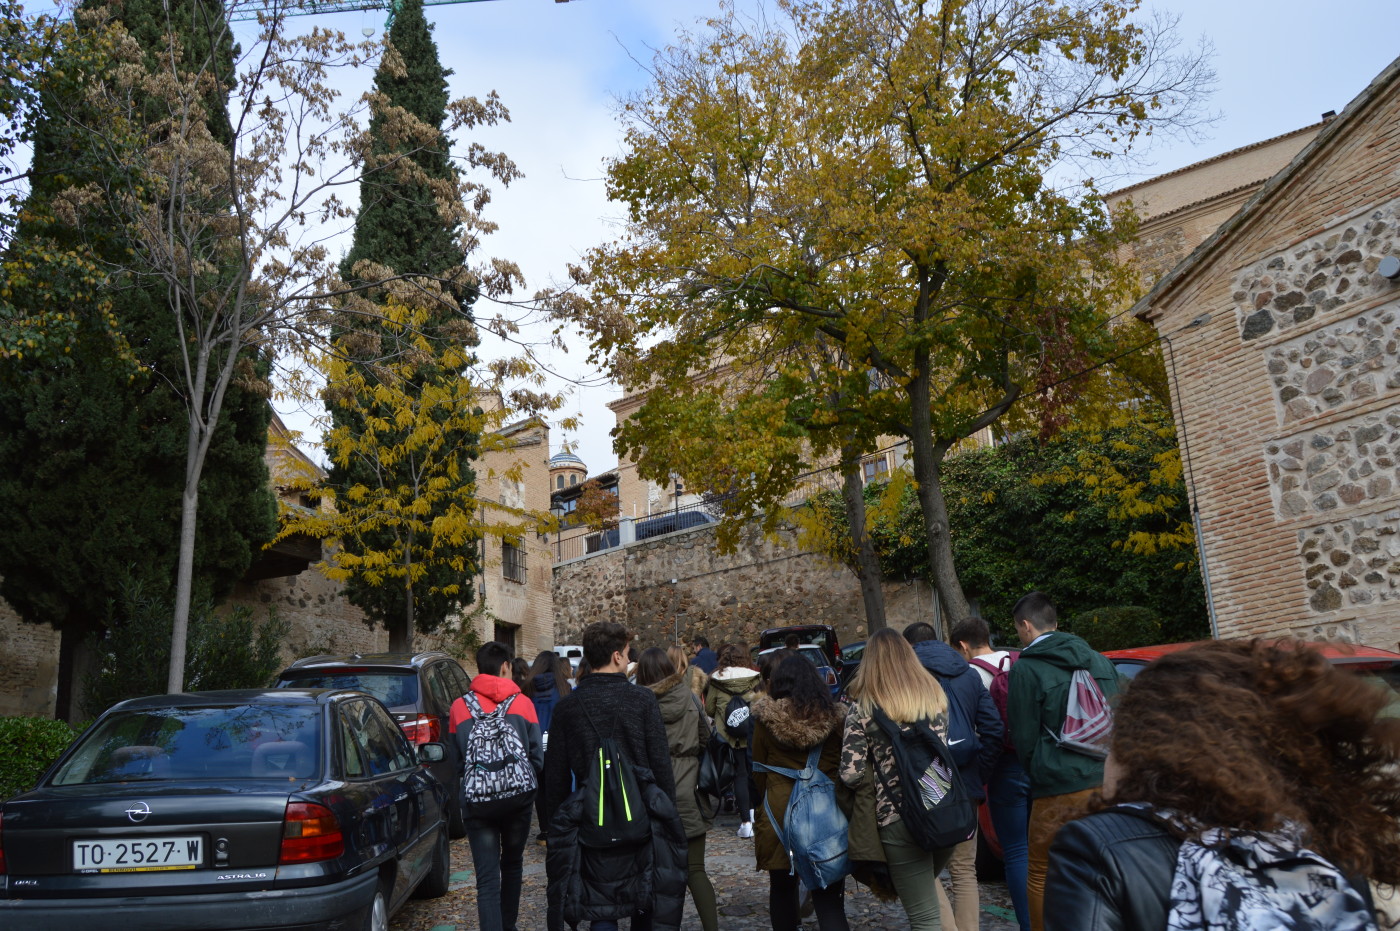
556 510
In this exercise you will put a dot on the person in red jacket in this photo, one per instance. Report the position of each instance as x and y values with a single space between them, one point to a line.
497 838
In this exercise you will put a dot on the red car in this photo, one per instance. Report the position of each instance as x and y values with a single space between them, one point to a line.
1382 666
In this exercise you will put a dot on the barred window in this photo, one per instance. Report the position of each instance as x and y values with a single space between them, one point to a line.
513 562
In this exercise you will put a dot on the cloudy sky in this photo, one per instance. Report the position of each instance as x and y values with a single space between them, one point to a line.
559 68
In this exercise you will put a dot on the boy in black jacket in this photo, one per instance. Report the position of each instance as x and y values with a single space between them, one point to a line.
605 704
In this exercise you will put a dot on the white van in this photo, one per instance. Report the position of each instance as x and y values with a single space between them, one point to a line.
573 653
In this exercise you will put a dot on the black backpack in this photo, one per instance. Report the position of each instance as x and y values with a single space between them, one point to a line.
933 802
738 721
614 813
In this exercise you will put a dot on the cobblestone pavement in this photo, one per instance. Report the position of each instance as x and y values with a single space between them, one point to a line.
742 891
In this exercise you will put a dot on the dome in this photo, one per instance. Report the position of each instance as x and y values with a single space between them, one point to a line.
566 460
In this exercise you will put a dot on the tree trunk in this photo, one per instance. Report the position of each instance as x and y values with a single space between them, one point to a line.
184 583
942 573
401 638
867 562
74 665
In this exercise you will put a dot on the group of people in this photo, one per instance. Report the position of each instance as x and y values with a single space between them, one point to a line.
1244 781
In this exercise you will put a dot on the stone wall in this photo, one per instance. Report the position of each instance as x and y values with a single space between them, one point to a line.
677 586
1353 360
28 665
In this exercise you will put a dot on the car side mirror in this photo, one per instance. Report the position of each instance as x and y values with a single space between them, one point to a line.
431 753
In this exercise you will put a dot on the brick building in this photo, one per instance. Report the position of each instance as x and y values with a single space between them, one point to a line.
1283 326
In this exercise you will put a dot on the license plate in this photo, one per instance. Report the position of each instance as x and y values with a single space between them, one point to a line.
137 855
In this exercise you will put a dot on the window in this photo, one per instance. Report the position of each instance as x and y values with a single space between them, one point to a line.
874 470
559 481
505 636
573 480
513 563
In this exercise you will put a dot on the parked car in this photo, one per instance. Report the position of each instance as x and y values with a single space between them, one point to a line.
814 655
820 635
418 688
227 810
850 661
573 653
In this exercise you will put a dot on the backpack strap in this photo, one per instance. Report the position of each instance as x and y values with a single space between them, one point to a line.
980 663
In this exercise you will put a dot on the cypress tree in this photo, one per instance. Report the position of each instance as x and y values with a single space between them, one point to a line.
400 227
92 445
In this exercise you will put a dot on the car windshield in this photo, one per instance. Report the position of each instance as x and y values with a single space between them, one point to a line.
394 688
212 742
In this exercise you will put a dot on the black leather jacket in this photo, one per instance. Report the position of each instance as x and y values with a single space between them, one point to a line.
1110 871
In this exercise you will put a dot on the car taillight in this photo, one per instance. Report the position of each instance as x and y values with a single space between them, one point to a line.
310 832
422 729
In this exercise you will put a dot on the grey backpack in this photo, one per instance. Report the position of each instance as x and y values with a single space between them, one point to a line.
496 772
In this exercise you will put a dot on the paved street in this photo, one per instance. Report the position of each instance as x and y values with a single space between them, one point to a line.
743 895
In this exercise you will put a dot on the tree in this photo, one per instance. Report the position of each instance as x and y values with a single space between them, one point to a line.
92 432
883 174
220 222
400 229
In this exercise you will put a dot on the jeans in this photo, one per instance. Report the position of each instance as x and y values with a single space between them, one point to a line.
963 913
914 872
1009 803
498 856
745 792
1048 813
783 904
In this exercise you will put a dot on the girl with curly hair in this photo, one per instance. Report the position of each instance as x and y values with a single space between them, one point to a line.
1250 785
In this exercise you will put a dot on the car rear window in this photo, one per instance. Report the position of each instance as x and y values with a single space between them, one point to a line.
395 689
221 742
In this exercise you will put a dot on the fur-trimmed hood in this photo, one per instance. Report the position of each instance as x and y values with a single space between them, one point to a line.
789 728
666 684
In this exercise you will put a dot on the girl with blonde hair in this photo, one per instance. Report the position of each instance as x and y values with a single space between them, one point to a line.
695 677
891 679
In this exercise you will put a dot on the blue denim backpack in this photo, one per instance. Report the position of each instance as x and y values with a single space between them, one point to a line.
815 832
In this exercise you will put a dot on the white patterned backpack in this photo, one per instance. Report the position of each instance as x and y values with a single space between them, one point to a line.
496 771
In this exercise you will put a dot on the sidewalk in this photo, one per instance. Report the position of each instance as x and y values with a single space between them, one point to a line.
742 892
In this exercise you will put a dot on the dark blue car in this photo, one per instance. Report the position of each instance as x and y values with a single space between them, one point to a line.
285 808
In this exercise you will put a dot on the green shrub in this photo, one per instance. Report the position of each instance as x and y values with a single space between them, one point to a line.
1117 627
27 747
222 651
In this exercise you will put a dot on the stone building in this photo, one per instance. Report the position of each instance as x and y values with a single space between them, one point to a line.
1284 326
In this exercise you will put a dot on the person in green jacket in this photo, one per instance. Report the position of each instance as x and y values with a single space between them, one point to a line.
1061 780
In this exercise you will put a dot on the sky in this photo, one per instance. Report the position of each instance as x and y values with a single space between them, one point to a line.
560 68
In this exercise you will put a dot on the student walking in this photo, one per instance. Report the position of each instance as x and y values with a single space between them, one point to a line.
727 699
891 682
643 881
1249 786
549 683
1008 789
795 716
497 828
975 737
1062 779
687 731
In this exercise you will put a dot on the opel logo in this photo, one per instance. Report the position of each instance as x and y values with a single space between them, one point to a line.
139 812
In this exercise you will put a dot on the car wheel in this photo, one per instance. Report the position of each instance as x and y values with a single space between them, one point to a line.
378 917
456 818
434 884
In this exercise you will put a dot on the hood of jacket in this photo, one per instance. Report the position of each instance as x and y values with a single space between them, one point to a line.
735 680
1062 649
494 687
544 685
674 696
940 659
801 732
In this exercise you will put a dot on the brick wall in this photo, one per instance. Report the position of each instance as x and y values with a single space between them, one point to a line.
1288 403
